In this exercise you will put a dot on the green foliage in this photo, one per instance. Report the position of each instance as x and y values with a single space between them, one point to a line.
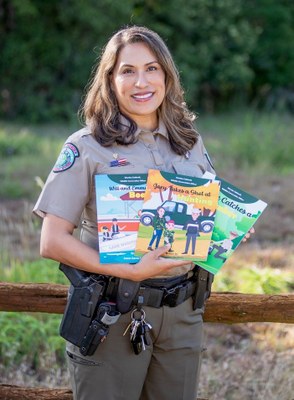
23 143
225 49
273 56
39 271
247 139
26 336
25 155
250 279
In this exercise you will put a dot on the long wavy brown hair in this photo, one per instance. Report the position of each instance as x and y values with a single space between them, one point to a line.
100 109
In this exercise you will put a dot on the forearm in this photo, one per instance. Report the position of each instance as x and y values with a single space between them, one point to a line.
58 243
71 251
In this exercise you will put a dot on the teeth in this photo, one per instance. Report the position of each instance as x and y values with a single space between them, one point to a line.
142 96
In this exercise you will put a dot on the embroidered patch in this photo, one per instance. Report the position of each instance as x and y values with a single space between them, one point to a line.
66 157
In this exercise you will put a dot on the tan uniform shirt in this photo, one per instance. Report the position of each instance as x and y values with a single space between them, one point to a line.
69 192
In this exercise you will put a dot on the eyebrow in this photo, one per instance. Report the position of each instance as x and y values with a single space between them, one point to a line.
149 63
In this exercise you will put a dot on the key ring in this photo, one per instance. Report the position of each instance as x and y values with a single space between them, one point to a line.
140 310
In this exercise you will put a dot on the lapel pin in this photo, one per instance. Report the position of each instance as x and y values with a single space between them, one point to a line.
117 162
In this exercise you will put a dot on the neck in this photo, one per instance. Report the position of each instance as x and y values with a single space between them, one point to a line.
147 123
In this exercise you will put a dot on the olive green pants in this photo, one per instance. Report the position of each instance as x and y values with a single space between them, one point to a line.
167 370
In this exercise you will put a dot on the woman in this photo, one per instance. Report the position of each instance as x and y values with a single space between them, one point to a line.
134 111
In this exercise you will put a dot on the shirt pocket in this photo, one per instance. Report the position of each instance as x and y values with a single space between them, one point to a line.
189 168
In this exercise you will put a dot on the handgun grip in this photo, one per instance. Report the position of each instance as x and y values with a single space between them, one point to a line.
77 277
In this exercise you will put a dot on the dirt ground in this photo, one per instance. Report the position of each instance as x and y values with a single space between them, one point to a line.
253 361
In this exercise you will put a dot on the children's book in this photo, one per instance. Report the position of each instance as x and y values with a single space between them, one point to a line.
178 210
119 199
237 212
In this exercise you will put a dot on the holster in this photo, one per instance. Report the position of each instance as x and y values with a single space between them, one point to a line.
87 316
84 295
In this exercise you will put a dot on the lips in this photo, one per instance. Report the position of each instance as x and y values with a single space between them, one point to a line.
142 96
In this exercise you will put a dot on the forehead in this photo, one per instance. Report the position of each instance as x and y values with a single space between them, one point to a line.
134 54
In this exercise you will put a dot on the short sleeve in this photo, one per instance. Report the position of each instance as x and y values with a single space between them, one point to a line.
207 161
67 189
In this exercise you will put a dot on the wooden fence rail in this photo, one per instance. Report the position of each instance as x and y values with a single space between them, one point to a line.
10 392
228 308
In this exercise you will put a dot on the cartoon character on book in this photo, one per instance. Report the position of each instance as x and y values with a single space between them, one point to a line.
105 234
224 246
158 225
192 227
169 233
115 228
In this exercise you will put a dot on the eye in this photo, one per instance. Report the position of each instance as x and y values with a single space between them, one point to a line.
152 68
127 71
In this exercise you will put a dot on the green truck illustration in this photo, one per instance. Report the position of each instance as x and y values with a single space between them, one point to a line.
178 212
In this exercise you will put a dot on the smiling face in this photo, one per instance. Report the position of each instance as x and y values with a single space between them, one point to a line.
138 82
161 212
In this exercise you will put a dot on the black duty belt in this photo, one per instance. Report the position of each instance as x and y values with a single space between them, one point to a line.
153 296
161 292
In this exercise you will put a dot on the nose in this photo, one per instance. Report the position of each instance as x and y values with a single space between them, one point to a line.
141 79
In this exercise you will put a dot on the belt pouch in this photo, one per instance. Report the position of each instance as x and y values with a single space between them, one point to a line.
203 286
126 293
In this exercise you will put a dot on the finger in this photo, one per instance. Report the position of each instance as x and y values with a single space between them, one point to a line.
160 251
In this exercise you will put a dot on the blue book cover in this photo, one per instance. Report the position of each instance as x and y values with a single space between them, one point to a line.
119 200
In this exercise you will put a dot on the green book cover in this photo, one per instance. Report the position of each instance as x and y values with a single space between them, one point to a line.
237 212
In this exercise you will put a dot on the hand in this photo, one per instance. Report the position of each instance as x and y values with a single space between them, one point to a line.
152 264
248 234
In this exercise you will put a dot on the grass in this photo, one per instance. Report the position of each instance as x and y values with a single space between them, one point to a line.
20 330
27 153
262 142
38 271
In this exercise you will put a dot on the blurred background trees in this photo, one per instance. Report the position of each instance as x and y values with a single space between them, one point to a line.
236 52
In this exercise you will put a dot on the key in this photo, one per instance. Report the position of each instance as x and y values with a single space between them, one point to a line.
134 328
127 328
137 341
139 331
147 337
137 347
140 336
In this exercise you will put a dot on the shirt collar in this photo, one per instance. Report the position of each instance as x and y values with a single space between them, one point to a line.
161 129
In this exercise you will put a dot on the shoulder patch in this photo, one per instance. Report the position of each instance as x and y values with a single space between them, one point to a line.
66 157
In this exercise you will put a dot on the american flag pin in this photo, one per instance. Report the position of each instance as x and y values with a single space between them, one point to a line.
118 162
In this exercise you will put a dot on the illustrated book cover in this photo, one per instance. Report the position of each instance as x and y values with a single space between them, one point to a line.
119 199
237 212
177 210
